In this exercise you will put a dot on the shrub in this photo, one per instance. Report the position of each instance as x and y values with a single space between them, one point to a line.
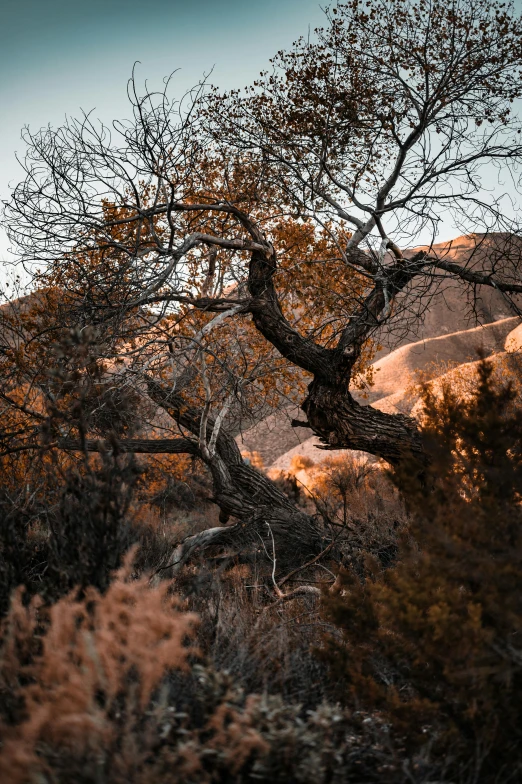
72 529
84 675
354 493
106 688
435 643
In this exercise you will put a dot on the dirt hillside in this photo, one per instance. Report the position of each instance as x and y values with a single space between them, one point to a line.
450 333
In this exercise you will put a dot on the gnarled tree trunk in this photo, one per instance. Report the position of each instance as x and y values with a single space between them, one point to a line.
265 518
340 422
332 413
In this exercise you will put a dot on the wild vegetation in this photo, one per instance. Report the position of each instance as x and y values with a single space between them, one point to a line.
393 658
169 611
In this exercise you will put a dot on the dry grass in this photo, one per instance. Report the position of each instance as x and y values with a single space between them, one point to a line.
266 647
96 658
106 689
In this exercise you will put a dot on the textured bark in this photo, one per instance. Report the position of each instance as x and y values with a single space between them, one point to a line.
243 492
263 512
269 319
159 446
240 491
341 423
332 413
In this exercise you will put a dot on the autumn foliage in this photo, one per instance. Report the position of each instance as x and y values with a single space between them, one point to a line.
167 611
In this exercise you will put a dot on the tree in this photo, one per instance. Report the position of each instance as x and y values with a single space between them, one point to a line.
227 248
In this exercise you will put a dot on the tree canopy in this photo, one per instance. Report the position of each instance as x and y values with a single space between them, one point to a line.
217 253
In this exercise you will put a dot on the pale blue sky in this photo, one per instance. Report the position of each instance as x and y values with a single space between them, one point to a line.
60 56
57 56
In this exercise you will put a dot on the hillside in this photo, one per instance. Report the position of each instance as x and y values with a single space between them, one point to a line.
450 331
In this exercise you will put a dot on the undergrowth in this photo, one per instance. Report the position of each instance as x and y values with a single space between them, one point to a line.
407 669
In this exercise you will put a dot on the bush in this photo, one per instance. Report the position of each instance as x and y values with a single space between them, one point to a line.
435 643
82 675
107 688
71 529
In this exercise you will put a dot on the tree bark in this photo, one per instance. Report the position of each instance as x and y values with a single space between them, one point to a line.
332 413
242 492
265 515
342 423
263 512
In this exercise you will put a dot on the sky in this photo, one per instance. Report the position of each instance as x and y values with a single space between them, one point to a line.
58 57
